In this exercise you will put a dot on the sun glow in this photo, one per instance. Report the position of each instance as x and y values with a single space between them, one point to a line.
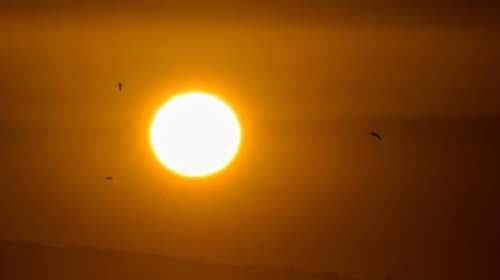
195 134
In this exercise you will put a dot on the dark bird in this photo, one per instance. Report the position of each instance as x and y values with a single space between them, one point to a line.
109 178
120 86
374 134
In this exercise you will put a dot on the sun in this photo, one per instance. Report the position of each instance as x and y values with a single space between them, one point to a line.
195 134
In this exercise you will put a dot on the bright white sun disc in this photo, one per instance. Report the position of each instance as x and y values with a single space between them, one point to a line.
195 134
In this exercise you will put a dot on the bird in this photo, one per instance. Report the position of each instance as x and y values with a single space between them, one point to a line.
109 178
374 134
120 86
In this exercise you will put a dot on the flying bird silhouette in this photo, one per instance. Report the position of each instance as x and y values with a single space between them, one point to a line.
374 134
120 86
109 178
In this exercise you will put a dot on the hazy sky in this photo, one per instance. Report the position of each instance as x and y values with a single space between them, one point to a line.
307 79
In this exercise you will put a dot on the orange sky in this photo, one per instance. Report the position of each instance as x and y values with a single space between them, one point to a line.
307 80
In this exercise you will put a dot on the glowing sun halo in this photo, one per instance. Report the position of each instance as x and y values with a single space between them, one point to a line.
195 134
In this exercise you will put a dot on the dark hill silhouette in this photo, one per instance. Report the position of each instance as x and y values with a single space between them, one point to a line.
32 261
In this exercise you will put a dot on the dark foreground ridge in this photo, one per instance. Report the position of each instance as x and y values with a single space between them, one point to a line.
33 261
